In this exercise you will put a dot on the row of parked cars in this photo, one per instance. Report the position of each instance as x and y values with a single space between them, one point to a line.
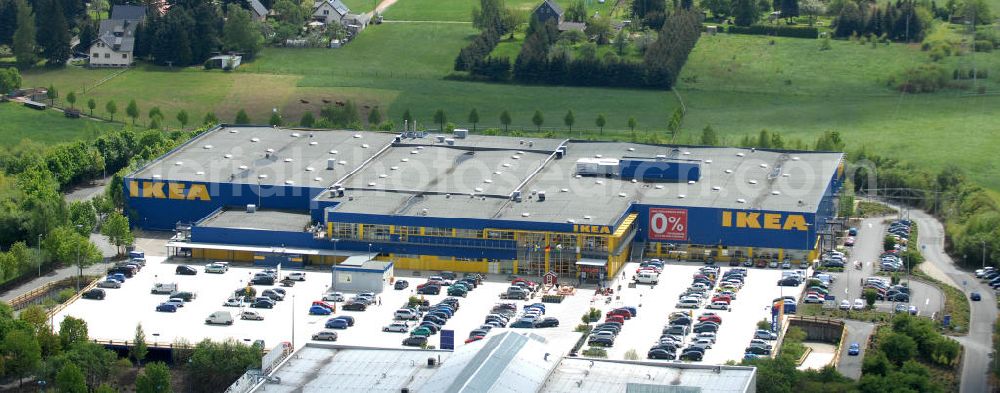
703 329
833 258
519 289
117 275
434 318
989 275
900 231
605 333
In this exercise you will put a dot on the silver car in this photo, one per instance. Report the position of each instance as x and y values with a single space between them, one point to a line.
109 284
325 335
399 327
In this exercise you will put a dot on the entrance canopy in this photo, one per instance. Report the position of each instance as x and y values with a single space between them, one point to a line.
592 262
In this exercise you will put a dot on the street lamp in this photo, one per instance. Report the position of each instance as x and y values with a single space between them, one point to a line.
39 256
79 264
293 321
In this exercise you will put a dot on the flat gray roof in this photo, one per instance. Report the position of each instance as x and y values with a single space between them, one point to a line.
240 154
588 375
272 220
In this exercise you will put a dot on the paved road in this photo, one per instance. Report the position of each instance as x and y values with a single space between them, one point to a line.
978 343
857 332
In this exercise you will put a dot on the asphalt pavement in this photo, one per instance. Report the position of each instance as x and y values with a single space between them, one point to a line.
978 343
857 332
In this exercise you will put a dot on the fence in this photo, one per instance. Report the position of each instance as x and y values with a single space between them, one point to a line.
39 294
268 363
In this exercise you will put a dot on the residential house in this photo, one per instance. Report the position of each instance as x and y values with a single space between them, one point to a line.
328 11
549 10
116 37
258 10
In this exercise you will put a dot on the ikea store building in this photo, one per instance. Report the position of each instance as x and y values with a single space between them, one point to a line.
474 203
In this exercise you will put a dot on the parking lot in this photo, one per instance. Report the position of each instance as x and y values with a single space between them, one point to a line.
116 317
656 303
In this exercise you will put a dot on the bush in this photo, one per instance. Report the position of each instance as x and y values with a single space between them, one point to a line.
65 294
983 46
924 78
595 352
582 328
764 324
776 30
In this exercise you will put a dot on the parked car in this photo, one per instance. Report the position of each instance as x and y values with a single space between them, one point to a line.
335 323
175 301
547 322
430 290
273 295
333 297
398 327
319 310
858 304
109 284
250 315
845 304
296 276
401 284
325 335
262 303
187 296
186 270
661 354
166 307
262 280
235 301
765 335
694 356
94 294
355 306
415 341
854 349
757 350
216 267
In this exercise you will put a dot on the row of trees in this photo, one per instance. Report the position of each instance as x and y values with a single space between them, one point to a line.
186 36
899 21
493 21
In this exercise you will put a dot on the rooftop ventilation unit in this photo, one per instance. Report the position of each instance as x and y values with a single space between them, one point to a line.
310 169
716 188
531 144
681 196
296 135
179 163
450 142
357 136
234 131
775 192
227 155
752 182
289 182
255 139
541 196
262 176
587 217
440 138
658 187
207 147
740 154
333 152
289 160
741 200
251 208
631 149
516 196
525 214
313 143
330 164
461 133
708 161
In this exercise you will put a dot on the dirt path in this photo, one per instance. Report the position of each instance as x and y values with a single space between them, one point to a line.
382 5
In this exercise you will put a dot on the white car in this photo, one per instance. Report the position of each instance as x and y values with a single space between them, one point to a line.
233 302
297 276
706 336
859 304
845 304
703 343
175 301
216 267
689 303
399 327
333 297
406 314
718 306
812 299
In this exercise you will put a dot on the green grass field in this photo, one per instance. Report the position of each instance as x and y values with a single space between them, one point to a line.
46 127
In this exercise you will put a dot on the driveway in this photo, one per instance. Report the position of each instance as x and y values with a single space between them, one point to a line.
857 332
978 343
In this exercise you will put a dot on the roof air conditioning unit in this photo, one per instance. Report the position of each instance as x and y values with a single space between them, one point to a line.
461 133
251 208
331 163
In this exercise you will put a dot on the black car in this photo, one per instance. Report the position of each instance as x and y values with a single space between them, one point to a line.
429 290
96 294
354 306
547 322
681 321
448 276
899 297
186 270
757 350
601 341
694 356
401 284
415 341
347 318
262 280
662 354
261 303
706 327
187 296
123 270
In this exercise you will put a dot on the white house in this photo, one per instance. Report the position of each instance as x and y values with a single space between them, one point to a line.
327 11
116 37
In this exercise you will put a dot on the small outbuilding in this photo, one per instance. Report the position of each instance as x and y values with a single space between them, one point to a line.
361 274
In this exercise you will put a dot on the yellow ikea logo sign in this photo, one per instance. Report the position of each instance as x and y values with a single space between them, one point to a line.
790 222
164 190
592 229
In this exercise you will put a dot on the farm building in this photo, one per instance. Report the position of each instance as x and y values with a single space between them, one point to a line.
463 202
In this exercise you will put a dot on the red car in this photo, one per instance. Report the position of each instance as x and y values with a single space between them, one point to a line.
323 304
710 318
473 338
615 318
619 312
722 298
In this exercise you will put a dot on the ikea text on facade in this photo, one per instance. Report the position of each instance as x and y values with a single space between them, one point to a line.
167 190
592 229
785 222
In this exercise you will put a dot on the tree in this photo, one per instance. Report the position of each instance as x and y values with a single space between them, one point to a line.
154 123
241 33
214 365
870 297
22 353
71 98
898 347
374 118
155 113
83 216
91 104
709 137
976 11
155 378
408 119
10 80
474 118
537 119
577 12
789 9
505 120
275 119
888 243
621 42
51 93
70 380
632 124
600 122
139 349
307 120
599 29
116 228
132 110
440 118
241 117
210 119
745 12
812 8
53 33
72 331
720 8
25 48
182 117
569 119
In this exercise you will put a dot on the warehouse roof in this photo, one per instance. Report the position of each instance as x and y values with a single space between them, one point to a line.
272 220
607 376
242 154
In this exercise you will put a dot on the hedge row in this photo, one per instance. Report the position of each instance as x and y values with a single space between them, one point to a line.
776 30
